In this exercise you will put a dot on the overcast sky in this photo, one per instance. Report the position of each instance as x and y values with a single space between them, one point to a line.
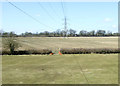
49 16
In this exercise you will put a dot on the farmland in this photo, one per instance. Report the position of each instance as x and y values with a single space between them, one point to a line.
56 69
54 43
62 69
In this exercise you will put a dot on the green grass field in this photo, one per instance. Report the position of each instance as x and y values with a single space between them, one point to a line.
65 69
57 69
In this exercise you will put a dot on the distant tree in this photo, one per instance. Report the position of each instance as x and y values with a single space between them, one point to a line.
116 34
92 33
0 34
22 35
36 34
11 44
12 34
8 34
51 34
46 33
62 33
28 34
5 34
109 33
72 32
83 33
101 33
58 32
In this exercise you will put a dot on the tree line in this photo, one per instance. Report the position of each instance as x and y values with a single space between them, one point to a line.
61 33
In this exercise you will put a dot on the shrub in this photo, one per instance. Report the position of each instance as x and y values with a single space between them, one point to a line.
27 52
42 51
88 51
5 52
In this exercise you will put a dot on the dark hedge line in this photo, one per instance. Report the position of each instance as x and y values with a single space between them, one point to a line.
64 51
27 52
89 51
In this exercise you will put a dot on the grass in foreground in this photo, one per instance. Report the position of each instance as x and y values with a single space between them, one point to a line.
56 69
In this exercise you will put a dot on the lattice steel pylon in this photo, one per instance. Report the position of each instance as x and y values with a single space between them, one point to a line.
65 27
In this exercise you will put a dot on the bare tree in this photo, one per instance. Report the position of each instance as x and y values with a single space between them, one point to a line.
11 43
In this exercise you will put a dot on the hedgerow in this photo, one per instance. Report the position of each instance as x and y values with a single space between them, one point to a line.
65 51
89 51
27 52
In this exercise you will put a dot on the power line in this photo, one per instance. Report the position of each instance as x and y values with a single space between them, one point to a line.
54 10
28 14
80 67
63 9
46 11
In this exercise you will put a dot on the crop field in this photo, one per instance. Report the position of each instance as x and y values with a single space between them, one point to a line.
54 43
62 69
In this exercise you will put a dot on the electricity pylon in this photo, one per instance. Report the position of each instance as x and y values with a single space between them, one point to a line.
65 27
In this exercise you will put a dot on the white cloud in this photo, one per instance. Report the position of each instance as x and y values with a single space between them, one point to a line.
107 19
114 26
